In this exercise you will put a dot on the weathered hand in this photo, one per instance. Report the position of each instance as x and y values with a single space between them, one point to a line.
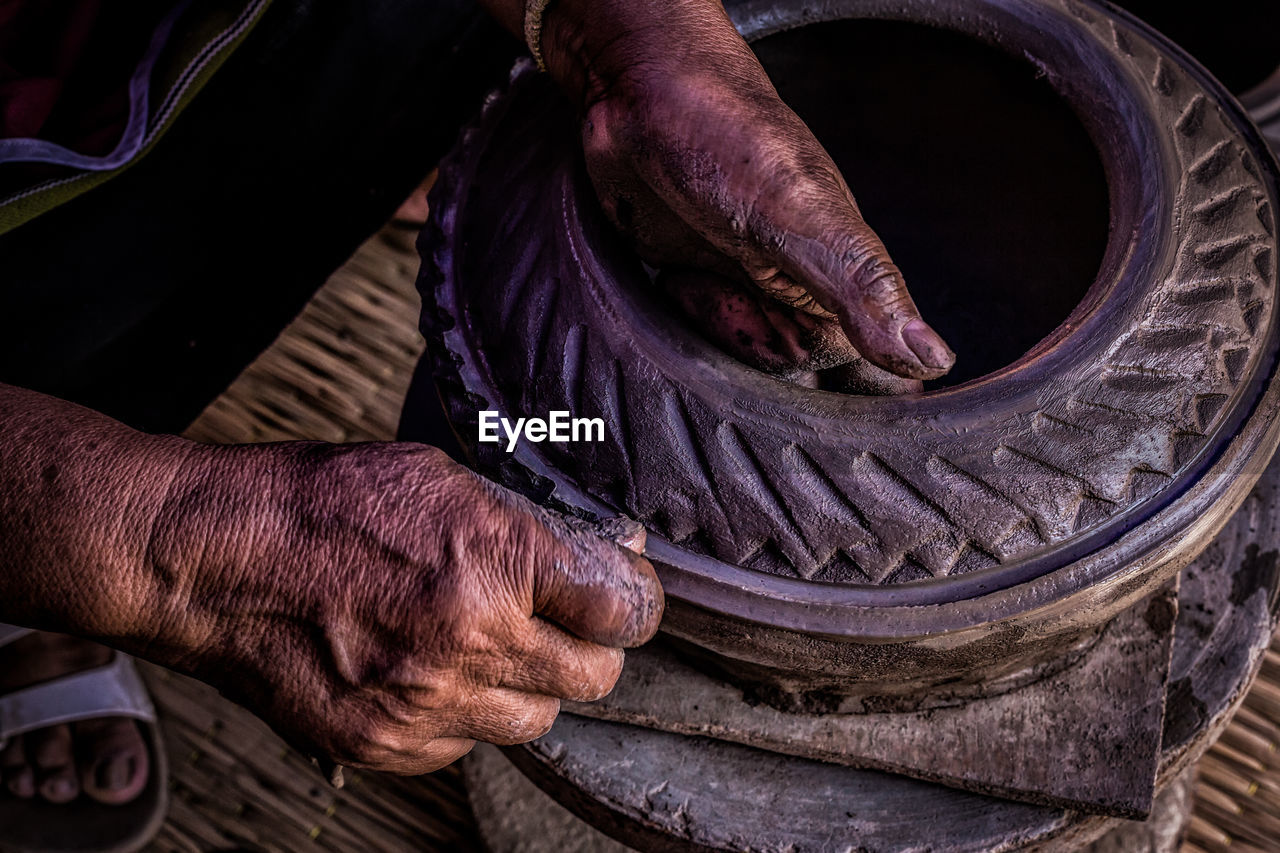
382 606
698 160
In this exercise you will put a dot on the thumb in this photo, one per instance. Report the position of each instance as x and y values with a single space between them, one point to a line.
599 589
844 265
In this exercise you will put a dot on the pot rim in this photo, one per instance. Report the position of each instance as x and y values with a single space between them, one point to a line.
1154 537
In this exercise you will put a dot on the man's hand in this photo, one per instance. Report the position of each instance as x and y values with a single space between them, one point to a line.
382 606
720 185
376 603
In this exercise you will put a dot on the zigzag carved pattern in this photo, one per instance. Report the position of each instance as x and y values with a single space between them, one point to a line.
790 504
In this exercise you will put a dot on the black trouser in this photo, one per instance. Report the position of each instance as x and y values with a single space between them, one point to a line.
145 297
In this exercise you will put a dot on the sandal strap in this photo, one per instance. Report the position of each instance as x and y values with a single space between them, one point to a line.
12 633
113 690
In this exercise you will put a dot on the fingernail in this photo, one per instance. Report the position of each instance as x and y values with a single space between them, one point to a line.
927 345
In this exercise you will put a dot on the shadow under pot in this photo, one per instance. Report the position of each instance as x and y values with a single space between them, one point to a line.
1084 214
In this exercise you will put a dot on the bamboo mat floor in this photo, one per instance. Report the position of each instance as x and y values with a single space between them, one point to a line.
339 373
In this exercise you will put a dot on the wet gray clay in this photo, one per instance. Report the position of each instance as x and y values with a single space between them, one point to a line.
659 790
858 584
823 541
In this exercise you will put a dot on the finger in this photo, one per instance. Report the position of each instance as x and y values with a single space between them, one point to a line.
594 588
792 224
755 328
506 717
553 663
840 260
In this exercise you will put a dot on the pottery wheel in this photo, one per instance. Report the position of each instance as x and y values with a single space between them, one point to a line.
821 542
648 787
1035 595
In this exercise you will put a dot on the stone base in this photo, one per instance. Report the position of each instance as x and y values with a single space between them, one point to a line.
514 816
660 790
1052 742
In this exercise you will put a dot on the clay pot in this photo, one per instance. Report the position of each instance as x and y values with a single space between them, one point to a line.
1236 43
917 548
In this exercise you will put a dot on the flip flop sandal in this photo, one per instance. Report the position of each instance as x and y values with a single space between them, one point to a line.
83 825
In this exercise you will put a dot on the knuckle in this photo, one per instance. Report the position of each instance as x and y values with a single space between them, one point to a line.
529 542
433 684
488 664
866 266
885 291
450 603
858 251
388 728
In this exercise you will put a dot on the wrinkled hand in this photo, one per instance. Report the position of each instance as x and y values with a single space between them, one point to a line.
720 185
384 607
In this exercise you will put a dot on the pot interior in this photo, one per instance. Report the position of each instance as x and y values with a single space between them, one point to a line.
979 178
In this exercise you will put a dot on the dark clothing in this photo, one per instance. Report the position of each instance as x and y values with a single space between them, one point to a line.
65 67
144 297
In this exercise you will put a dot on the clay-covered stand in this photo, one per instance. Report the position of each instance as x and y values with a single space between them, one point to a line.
1010 612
